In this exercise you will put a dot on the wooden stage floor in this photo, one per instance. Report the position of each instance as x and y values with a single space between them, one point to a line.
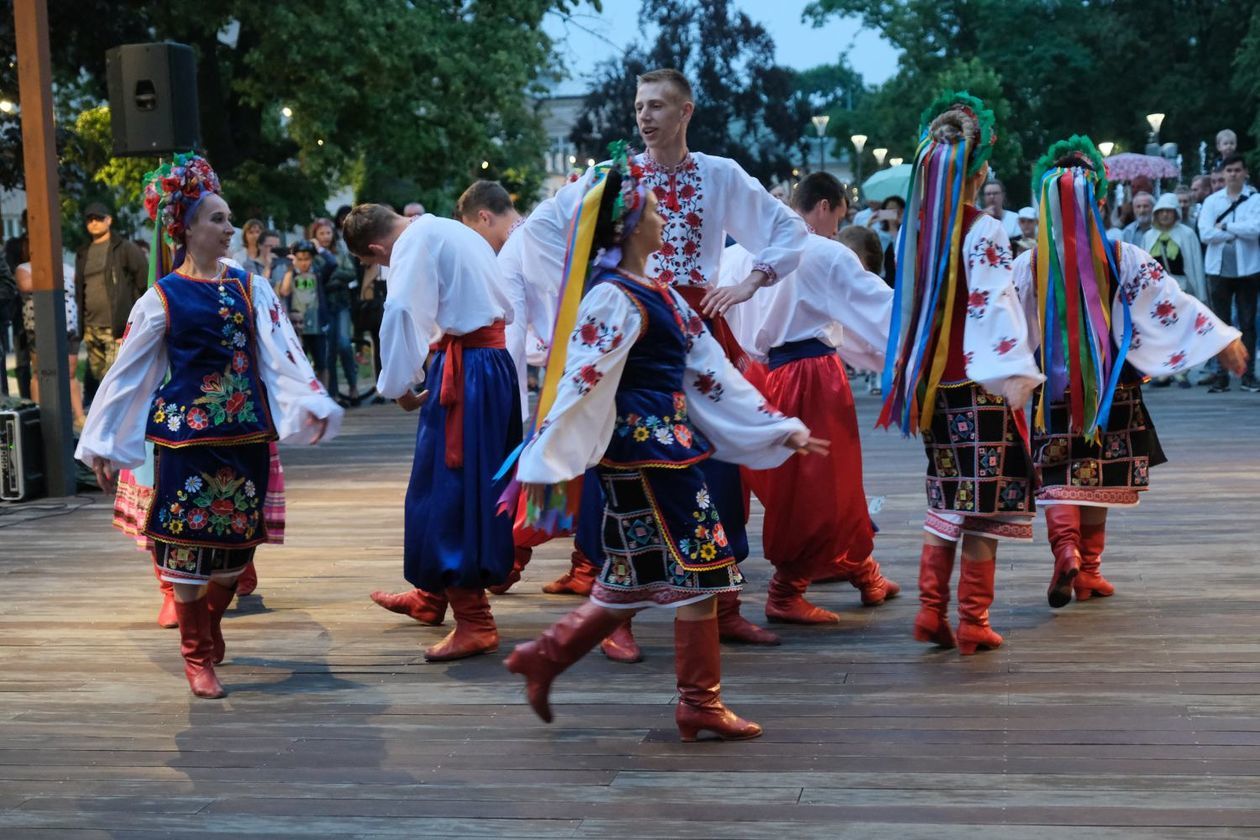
1136 716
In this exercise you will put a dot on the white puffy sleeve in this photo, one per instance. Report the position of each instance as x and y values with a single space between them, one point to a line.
995 331
774 234
861 303
115 426
576 431
294 394
1022 276
732 414
1172 331
409 322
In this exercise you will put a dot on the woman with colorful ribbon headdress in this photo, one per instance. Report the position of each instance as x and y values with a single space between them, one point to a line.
959 370
209 373
645 392
1105 314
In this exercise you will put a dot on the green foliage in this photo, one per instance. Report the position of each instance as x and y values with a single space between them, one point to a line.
387 94
747 107
1067 67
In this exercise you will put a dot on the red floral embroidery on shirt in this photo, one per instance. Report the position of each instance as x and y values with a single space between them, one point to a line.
1203 324
680 192
1165 312
989 253
595 333
1004 346
707 384
977 303
586 378
1177 360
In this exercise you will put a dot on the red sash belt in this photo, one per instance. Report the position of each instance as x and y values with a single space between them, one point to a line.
451 395
721 330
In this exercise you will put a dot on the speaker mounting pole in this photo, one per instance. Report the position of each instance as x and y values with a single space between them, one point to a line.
40 161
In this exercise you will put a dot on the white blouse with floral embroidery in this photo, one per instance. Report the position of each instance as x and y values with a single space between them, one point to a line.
1172 330
996 344
115 427
729 411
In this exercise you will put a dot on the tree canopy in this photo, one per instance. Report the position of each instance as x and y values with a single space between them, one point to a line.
1058 67
402 99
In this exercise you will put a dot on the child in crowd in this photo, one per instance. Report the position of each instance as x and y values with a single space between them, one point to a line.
302 288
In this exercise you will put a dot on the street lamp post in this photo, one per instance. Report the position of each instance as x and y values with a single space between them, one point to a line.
880 154
820 125
1154 121
859 143
1106 147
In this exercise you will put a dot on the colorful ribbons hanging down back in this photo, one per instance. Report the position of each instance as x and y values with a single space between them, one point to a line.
1075 271
560 501
928 262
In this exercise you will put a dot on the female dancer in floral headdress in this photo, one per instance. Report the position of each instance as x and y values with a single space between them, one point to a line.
645 392
961 372
1105 313
209 372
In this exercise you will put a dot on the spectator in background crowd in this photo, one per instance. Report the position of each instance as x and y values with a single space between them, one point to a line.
272 259
414 209
1217 180
886 222
1200 189
1027 239
303 287
993 202
1229 225
863 216
1143 215
112 274
10 306
341 286
1226 146
26 286
17 250
781 191
1176 247
248 255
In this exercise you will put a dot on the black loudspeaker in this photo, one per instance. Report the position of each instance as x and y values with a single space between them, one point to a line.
153 99
21 449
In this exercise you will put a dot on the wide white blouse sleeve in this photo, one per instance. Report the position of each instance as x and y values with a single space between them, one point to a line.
774 234
294 394
115 426
409 322
1172 331
576 431
727 409
995 331
861 303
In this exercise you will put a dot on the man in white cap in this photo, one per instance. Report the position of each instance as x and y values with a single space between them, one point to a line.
1027 239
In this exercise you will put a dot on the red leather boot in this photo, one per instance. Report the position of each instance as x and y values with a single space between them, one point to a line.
733 627
1090 581
475 631
936 566
698 666
786 602
579 580
560 645
198 649
867 579
218 599
620 645
425 607
166 613
247 580
975 594
521 558
1063 527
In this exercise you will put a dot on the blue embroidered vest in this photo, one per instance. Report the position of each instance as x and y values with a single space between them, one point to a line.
214 394
652 426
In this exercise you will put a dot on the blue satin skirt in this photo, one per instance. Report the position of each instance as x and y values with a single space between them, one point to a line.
452 537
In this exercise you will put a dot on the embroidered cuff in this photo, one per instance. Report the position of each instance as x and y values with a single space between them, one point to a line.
769 270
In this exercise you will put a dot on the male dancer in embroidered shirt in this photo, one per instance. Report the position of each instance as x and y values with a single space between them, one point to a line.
702 198
444 281
816 522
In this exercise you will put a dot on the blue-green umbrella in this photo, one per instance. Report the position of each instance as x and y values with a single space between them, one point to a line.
895 180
